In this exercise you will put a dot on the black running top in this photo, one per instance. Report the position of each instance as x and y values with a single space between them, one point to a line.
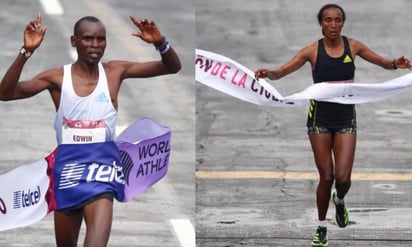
336 70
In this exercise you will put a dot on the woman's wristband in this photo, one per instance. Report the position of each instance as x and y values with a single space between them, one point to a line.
393 65
270 75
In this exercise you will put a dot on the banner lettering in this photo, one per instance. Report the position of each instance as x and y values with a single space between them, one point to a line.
27 195
232 78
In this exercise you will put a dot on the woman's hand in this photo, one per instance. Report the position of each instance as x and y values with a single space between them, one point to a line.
262 73
402 63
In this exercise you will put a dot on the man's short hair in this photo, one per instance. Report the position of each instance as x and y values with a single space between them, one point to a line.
86 18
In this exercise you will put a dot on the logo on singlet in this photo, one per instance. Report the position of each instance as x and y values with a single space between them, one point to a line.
71 175
74 174
347 59
102 98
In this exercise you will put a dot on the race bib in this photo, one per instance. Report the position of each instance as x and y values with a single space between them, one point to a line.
83 131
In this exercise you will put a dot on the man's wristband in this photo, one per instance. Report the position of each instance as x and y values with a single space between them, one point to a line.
163 47
25 52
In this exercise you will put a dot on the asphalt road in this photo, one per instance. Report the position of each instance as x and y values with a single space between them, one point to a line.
246 154
162 216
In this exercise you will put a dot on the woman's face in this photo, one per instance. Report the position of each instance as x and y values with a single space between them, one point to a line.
332 23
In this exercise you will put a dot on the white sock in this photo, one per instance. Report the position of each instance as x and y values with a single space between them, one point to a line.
323 223
339 201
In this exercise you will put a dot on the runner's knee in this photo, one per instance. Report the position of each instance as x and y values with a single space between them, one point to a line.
342 183
326 179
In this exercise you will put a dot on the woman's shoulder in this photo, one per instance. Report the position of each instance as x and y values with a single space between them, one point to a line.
310 48
355 44
352 41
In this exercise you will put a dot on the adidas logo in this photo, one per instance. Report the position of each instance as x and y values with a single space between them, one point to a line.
347 59
102 98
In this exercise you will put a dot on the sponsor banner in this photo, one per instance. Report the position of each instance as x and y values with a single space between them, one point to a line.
27 194
22 195
144 150
232 78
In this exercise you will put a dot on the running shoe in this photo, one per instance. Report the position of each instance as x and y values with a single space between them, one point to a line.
321 237
342 214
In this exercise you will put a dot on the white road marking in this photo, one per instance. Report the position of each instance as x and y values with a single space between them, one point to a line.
299 175
52 7
184 231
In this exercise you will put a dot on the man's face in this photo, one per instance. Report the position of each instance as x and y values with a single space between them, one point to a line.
90 41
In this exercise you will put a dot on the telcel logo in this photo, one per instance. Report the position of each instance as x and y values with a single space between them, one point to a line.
105 173
26 199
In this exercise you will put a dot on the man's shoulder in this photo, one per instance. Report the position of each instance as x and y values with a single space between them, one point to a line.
116 64
53 75
57 71
117 68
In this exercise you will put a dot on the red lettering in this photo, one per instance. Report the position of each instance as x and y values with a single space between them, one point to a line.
216 68
234 76
224 71
219 69
242 80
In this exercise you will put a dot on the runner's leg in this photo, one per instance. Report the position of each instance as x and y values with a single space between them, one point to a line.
67 227
98 217
322 151
344 152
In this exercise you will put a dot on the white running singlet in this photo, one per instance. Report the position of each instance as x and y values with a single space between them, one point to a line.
89 119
